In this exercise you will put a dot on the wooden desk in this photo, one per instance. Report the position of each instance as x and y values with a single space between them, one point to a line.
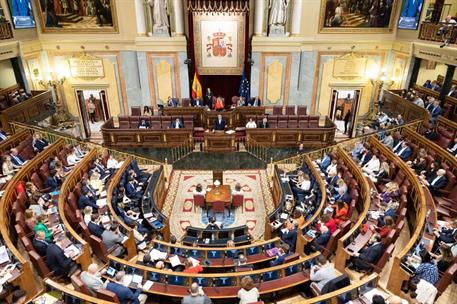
224 194
360 241
219 142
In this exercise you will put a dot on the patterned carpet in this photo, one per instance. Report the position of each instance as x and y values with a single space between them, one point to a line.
257 201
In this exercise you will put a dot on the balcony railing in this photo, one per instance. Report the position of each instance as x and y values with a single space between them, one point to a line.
439 32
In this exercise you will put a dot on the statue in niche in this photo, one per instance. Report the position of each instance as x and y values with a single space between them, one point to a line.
158 14
278 16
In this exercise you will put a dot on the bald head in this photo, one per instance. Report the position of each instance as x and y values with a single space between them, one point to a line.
194 289
92 268
395 300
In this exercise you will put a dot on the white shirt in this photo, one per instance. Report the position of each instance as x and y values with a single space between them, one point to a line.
373 165
305 185
247 297
453 149
251 125
112 163
331 167
435 180
72 159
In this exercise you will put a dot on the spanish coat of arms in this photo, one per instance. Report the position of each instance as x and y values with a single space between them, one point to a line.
219 45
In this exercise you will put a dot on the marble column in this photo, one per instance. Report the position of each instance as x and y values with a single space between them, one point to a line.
296 17
140 17
259 17
178 16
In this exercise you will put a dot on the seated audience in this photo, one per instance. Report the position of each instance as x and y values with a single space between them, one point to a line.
133 190
125 294
8 168
372 166
39 143
452 148
251 124
87 199
41 226
388 141
95 227
16 159
248 293
443 257
172 102
39 243
391 191
72 159
190 268
327 221
436 182
3 135
53 182
321 273
289 235
147 111
91 278
176 124
341 212
197 296
112 237
427 270
404 152
30 220
57 261
368 255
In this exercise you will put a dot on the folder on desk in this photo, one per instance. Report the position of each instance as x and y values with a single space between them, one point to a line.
175 261
147 285
101 202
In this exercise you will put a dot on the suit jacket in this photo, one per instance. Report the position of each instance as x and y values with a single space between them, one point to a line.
440 183
372 253
17 160
405 154
173 125
131 192
111 239
57 261
195 101
95 229
39 144
209 99
52 183
3 135
93 283
40 246
279 260
262 125
220 126
290 238
123 293
84 201
365 157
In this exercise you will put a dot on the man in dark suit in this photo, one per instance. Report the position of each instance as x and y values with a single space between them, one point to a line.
196 102
57 261
452 148
289 235
94 226
39 143
124 294
172 102
39 243
209 98
453 91
176 124
53 182
16 159
369 255
404 152
434 108
131 190
264 123
219 123
101 169
437 181
3 135
255 102
365 157
86 199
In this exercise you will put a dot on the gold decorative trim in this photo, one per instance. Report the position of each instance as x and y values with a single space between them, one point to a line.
286 86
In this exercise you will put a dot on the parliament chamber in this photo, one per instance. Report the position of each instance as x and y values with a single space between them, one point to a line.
228 151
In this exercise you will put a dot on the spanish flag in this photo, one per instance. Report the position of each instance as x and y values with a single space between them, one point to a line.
197 91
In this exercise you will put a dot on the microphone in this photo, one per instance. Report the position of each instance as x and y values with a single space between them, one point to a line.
214 285
223 258
166 283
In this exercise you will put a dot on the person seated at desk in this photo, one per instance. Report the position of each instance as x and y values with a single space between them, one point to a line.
321 273
248 293
199 190
264 123
280 256
385 229
3 135
124 294
16 159
94 226
427 270
147 111
321 239
452 148
57 261
369 255
446 234
41 226
72 159
372 167
172 102
289 235
341 212
147 260
190 268
237 190
242 262
342 193
132 189
176 124
391 191
112 237
404 151
196 102
419 164
30 220
197 296
39 143
101 169
443 258
39 243
91 278
251 124
219 123
328 221
302 186
219 105
436 182
87 199
365 155
53 182
8 168
213 225
254 102
144 124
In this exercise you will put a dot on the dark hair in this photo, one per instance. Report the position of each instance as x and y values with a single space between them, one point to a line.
199 188
321 260
340 204
114 226
94 217
146 258
425 256
377 299
18 294
173 239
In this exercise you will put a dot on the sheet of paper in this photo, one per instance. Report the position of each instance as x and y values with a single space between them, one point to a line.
137 279
158 255
127 280
4 257
194 261
175 261
101 202
147 285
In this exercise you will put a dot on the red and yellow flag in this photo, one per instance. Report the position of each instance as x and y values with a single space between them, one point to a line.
197 91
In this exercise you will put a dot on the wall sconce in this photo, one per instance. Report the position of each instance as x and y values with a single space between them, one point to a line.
188 61
50 84
379 82
250 61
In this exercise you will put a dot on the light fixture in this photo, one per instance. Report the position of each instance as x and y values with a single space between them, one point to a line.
379 82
